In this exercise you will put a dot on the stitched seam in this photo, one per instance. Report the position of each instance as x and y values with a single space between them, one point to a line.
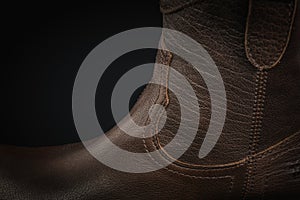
280 53
259 155
165 62
194 176
156 100
229 189
238 163
157 145
276 147
267 176
278 153
165 103
210 167
257 116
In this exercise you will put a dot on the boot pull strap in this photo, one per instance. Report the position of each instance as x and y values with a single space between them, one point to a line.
268 29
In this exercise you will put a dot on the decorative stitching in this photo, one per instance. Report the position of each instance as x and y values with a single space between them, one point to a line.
257 155
277 147
157 146
279 54
166 103
156 100
257 116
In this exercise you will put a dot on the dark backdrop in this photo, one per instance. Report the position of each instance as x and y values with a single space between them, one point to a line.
44 45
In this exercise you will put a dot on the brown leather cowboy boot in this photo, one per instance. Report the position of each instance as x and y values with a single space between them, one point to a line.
256 48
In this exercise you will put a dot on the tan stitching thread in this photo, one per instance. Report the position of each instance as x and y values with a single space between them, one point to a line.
192 176
239 163
260 155
260 88
166 102
159 92
157 144
277 147
222 166
291 18
167 62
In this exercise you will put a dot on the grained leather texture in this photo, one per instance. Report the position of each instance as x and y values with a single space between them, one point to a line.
217 29
268 31
257 155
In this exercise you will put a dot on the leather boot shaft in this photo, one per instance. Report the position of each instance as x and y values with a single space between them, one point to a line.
254 44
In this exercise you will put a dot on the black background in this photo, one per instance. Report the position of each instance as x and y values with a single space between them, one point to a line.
44 46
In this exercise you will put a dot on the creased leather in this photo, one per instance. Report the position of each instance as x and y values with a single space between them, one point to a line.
217 29
257 155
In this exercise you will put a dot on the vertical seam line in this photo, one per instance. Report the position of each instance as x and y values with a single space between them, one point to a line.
256 127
